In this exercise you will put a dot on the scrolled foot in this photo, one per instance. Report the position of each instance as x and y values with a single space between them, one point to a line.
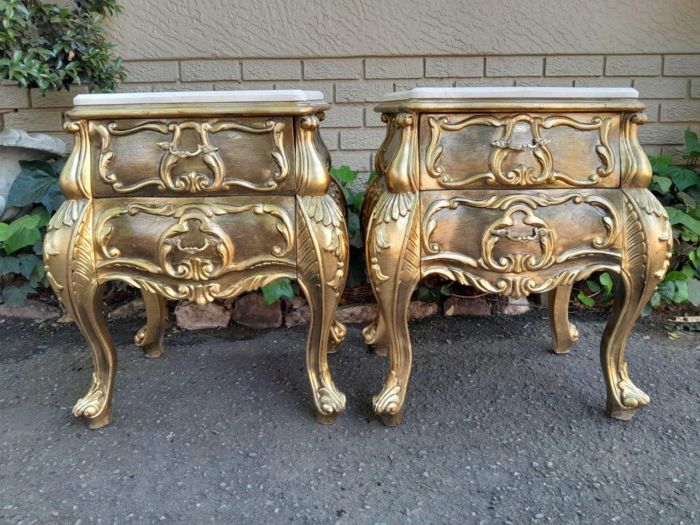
326 419
150 336
392 420
151 349
374 335
337 335
563 346
95 406
388 404
631 398
329 403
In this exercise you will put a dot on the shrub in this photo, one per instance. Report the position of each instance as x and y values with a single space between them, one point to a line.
46 46
21 264
678 189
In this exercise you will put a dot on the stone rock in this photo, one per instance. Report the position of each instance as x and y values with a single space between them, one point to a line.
251 310
127 310
191 316
298 313
516 306
421 310
356 313
464 306
30 310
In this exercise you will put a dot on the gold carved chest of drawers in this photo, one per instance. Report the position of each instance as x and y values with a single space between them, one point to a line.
513 191
197 197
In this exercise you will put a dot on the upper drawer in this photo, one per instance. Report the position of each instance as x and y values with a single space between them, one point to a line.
506 150
179 157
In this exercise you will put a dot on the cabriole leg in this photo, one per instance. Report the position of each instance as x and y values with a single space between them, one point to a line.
564 333
70 269
394 269
150 336
646 255
96 405
322 259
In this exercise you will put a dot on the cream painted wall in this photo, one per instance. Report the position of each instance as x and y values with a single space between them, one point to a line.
354 51
167 29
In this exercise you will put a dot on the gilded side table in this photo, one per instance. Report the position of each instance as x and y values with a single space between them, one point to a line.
513 191
197 196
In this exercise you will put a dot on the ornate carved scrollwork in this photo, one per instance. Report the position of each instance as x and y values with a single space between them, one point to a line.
213 253
503 146
191 181
519 223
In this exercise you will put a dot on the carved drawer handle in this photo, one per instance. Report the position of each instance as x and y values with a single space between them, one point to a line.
505 144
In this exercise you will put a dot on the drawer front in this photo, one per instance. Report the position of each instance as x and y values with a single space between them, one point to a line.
499 150
521 241
179 157
194 239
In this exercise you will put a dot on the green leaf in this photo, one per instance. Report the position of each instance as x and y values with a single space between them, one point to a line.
660 162
677 216
357 201
24 264
606 281
694 257
666 291
681 294
691 143
664 183
344 174
683 178
279 289
16 295
36 184
593 286
22 232
9 264
429 294
694 291
587 301
4 231
689 201
676 276
655 301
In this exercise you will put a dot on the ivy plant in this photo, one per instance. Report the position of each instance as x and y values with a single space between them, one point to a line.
345 176
678 188
21 240
46 46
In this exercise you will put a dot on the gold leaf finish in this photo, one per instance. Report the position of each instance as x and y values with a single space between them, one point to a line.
222 232
515 200
170 177
516 136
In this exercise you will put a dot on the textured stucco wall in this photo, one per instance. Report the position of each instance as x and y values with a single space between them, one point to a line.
157 29
356 50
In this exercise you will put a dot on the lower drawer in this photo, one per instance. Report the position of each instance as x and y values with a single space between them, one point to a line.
534 233
193 239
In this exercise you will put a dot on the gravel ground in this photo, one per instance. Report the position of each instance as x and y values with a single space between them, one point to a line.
220 429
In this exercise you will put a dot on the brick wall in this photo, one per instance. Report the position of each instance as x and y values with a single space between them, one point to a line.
668 84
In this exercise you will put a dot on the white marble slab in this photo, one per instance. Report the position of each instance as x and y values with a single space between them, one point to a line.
189 97
512 93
